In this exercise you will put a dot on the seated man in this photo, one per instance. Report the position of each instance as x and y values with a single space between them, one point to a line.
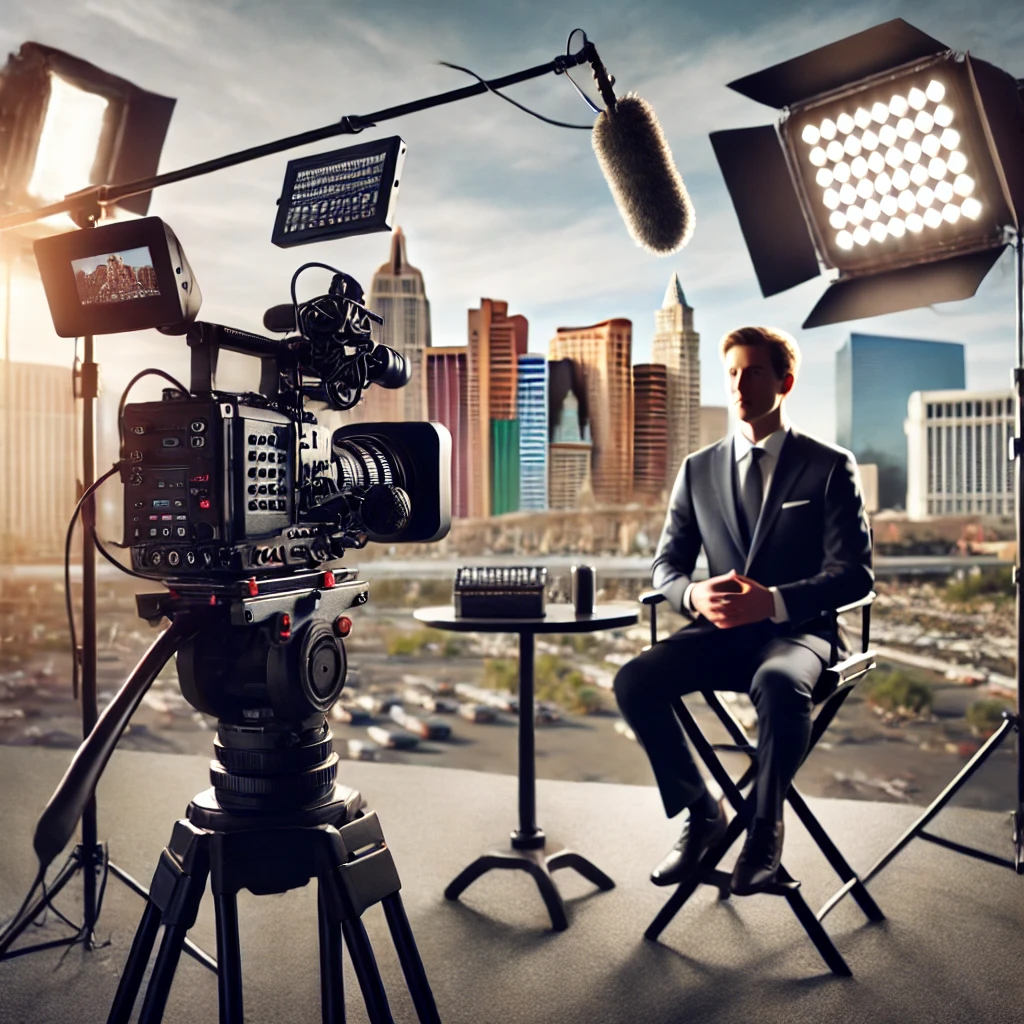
781 519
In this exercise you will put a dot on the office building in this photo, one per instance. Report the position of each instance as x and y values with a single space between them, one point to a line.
875 377
496 341
650 431
957 445
532 414
603 353
397 294
447 403
569 455
714 424
677 347
39 456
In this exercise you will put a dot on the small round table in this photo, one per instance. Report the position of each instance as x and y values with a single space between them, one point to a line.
528 839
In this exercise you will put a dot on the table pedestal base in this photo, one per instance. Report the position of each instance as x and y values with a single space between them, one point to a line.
540 868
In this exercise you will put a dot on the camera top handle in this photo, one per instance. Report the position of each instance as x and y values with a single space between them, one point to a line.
206 341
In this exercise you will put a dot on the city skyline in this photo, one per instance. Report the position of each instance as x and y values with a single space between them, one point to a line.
498 203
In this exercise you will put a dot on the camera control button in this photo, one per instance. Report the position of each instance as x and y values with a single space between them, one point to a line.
173 558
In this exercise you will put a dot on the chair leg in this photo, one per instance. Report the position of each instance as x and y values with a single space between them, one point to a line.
852 883
817 934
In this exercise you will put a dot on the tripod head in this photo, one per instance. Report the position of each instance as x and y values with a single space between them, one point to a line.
267 659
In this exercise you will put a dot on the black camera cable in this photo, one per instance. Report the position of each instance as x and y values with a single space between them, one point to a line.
40 879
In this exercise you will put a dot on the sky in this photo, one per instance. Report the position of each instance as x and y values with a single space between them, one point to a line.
493 202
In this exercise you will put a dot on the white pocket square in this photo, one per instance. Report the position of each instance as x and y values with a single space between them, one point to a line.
793 504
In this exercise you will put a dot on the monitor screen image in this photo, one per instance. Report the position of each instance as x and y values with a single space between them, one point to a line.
115 277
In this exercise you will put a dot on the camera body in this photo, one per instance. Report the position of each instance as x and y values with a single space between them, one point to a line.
233 485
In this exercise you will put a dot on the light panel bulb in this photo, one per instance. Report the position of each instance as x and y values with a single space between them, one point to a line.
810 134
898 105
963 185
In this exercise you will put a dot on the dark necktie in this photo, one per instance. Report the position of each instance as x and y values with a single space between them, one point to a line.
753 493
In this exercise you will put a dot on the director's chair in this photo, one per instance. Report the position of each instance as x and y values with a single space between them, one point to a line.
834 685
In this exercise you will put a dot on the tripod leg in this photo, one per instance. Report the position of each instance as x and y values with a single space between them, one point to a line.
135 968
229 958
374 997
409 957
159 987
16 927
332 991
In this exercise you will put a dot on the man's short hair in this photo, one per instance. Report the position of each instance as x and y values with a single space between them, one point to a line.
782 347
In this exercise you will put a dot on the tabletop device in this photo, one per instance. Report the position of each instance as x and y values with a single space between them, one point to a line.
500 592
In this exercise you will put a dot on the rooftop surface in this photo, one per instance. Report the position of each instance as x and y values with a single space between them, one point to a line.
950 951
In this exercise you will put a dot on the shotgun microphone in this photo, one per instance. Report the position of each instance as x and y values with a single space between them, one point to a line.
637 164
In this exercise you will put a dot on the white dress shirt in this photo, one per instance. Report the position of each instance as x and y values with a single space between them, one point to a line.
772 446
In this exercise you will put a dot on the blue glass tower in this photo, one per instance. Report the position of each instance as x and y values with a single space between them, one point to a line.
532 413
875 376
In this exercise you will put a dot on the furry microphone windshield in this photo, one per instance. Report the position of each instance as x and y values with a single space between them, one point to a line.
637 163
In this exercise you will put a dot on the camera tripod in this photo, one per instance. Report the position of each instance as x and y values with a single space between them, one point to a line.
268 661
336 842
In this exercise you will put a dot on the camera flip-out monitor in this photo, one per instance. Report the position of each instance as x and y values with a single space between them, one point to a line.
120 277
351 191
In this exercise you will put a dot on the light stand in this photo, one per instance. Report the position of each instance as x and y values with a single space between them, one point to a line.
1012 720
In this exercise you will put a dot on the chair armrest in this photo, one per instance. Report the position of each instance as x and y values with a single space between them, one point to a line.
652 598
862 603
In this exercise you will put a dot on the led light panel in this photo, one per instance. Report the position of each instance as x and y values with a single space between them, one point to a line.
927 159
895 168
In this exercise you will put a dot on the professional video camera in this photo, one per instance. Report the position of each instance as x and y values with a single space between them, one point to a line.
238 503
223 484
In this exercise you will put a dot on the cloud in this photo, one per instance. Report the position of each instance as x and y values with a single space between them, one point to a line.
494 202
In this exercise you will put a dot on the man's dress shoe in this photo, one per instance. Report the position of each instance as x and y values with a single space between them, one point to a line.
699 835
759 860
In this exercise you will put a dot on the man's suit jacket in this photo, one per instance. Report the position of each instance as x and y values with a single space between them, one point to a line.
812 539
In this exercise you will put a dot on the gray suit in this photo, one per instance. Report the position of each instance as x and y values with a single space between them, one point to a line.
812 542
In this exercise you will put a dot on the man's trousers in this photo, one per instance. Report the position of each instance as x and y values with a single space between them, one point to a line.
779 674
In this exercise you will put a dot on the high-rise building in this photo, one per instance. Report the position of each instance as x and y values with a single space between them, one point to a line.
532 413
875 377
677 347
570 452
603 353
650 430
38 459
447 403
714 424
496 340
957 444
398 295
